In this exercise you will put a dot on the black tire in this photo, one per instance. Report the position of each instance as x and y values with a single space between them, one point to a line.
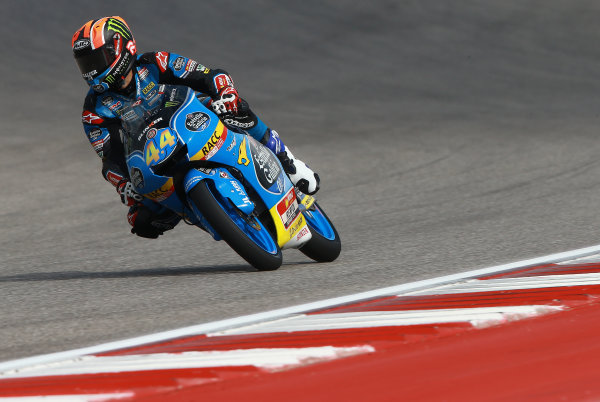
202 196
320 248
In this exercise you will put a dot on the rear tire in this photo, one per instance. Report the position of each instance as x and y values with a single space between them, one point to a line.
202 196
320 248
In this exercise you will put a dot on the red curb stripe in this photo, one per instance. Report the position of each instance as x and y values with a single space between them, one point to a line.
546 358
566 296
338 338
138 382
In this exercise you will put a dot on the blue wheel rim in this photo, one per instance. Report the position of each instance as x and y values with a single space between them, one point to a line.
261 238
317 221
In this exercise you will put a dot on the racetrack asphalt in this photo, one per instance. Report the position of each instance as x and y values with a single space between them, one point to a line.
448 136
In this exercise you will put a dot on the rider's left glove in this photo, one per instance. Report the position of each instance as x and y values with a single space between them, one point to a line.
128 195
228 102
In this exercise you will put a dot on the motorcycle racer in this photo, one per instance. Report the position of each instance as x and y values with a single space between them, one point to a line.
105 52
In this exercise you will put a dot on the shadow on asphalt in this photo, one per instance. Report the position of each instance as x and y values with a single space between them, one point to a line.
135 273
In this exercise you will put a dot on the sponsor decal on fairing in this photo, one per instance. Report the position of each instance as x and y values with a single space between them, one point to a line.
288 208
137 178
197 121
266 165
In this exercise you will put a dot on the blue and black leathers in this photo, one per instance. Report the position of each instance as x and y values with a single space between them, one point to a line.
106 114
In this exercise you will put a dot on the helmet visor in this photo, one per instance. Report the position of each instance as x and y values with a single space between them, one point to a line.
95 62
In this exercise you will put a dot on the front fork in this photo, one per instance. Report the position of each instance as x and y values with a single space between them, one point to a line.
227 186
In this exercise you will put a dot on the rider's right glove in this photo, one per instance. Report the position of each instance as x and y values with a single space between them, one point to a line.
128 195
227 103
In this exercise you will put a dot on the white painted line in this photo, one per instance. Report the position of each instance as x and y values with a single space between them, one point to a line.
70 398
526 282
590 259
283 312
270 359
371 319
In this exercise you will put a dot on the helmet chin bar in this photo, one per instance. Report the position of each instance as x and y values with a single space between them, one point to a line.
108 79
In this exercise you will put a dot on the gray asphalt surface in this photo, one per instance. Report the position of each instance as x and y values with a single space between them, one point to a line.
449 136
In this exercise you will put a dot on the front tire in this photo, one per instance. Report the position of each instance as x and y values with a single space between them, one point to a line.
212 208
325 244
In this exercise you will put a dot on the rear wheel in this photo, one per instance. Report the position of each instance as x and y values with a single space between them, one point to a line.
325 244
246 235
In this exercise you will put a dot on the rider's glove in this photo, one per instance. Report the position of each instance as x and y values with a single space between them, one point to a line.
128 195
228 102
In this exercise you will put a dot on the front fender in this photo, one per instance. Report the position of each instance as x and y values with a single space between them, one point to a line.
228 186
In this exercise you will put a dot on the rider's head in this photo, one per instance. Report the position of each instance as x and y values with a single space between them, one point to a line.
104 50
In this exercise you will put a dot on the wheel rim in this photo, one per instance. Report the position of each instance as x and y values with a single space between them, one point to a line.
316 220
248 225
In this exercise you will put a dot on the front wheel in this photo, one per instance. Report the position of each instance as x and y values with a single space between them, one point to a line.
325 244
245 234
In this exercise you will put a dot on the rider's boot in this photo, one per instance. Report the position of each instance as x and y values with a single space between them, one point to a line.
150 221
299 173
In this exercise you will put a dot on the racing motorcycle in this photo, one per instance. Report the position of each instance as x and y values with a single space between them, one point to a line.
182 156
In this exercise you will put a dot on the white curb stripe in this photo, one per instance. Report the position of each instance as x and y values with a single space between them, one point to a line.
270 359
280 313
70 398
479 316
526 282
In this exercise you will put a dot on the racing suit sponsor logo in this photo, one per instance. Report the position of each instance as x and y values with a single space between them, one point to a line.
113 177
173 94
143 73
91 118
130 115
222 81
94 134
99 88
190 66
110 103
201 68
148 88
162 58
197 121
235 123
99 145
178 63
151 133
149 128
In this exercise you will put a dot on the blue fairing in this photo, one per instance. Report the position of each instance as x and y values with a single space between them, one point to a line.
192 130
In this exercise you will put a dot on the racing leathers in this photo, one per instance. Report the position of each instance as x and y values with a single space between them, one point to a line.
106 113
